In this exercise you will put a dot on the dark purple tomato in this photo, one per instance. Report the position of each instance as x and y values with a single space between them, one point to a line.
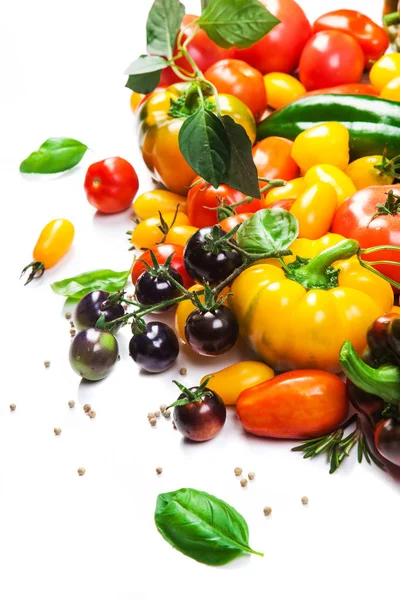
150 289
156 349
369 405
387 440
202 264
201 420
377 335
213 332
394 335
93 353
92 306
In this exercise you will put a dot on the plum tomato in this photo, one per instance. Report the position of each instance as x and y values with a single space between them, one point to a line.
272 157
202 419
152 289
212 332
90 308
156 349
162 252
93 353
111 185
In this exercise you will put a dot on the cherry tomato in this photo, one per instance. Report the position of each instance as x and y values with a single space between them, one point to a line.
387 440
150 204
272 157
152 289
202 197
363 173
391 91
93 353
147 233
282 89
369 405
230 222
377 335
231 76
326 143
180 234
201 420
203 51
384 70
314 210
373 39
358 89
94 305
290 191
330 58
162 252
393 332
285 203
213 332
111 185
156 349
185 308
281 48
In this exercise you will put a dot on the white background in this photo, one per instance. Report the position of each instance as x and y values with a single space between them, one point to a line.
93 537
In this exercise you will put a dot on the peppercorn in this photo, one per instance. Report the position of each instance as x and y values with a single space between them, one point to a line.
183 371
13 407
267 511
81 471
304 500
87 407
68 315
159 470
157 414
166 414
151 416
238 471
57 430
163 407
251 475
47 364
71 403
243 482
92 414
153 422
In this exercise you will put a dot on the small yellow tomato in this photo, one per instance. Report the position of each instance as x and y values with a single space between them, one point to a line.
291 190
282 89
314 209
230 382
180 234
327 143
54 241
391 91
363 173
149 204
384 70
147 233
136 100
330 174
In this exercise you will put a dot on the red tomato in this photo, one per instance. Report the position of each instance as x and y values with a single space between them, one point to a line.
203 196
353 220
281 48
230 222
231 76
363 89
330 58
286 203
273 160
162 252
111 184
373 39
203 51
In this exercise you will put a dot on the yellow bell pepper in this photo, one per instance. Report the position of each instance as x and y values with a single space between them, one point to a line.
298 318
330 174
230 382
326 143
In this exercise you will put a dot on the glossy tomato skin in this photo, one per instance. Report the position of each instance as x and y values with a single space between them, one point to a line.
377 335
295 405
111 185
203 51
230 222
200 421
353 220
387 440
156 349
272 157
203 197
281 48
330 58
393 334
162 252
92 306
369 405
93 353
232 76
213 332
150 289
373 39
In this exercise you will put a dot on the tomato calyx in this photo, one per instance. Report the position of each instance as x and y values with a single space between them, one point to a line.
216 243
391 206
37 271
194 394
389 167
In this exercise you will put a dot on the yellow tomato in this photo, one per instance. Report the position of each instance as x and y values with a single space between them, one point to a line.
330 174
180 234
314 210
363 173
54 241
291 190
282 89
391 91
385 69
149 204
147 233
136 100
327 143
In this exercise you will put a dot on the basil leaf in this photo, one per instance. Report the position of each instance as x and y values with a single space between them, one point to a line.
80 285
145 73
270 230
205 145
239 23
163 23
54 156
204 4
202 526
242 172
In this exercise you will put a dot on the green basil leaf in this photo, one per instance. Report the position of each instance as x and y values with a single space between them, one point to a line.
145 73
204 4
202 526
163 23
80 285
205 145
270 230
239 23
242 172
54 156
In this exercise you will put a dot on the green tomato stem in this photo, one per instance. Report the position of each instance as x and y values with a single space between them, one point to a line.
391 19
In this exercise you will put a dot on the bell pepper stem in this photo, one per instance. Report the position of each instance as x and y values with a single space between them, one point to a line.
383 382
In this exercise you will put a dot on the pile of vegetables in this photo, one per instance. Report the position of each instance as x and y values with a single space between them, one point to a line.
278 221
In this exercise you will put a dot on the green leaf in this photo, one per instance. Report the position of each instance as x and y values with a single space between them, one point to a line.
162 26
239 23
80 285
145 73
204 4
54 156
202 526
268 230
242 172
205 145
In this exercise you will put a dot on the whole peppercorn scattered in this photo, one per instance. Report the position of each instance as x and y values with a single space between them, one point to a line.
238 471
153 421
47 364
87 407
92 414
72 332
81 471
68 315
304 500
157 414
57 431
267 511
158 470
183 371
251 475
71 403
151 415
163 407
243 482
166 414
72 324
13 407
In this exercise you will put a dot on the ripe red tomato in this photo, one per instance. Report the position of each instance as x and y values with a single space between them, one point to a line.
231 76
373 39
111 184
273 160
353 220
203 196
203 51
162 252
230 222
331 58
281 48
